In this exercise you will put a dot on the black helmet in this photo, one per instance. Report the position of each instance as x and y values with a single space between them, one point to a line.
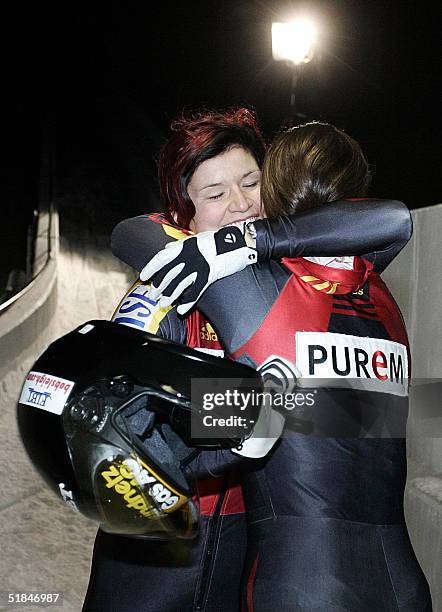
105 416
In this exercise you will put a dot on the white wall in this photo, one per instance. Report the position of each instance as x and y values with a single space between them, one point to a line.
415 279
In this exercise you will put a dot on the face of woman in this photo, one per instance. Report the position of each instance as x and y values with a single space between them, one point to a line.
225 189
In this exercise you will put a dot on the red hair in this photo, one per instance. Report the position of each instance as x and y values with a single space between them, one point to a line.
197 137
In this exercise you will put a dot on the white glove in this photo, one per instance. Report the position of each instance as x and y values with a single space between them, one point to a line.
279 376
267 430
199 260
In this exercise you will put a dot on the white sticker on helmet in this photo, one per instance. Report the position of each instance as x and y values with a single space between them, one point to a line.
209 351
67 496
46 392
87 328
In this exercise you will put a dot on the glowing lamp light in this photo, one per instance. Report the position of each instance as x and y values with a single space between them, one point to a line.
294 41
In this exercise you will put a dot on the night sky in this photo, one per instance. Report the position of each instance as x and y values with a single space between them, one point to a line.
109 77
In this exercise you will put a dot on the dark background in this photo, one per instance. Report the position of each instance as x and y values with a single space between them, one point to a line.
104 81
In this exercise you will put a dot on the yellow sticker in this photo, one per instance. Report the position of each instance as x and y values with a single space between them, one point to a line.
175 232
137 310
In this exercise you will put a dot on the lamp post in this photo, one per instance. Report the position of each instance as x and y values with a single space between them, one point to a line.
294 43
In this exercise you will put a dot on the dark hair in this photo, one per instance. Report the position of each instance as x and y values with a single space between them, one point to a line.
198 137
309 165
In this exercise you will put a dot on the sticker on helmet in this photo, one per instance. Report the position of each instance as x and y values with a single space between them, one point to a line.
67 496
87 328
139 486
45 391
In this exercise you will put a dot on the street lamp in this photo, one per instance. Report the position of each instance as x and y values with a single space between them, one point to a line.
294 43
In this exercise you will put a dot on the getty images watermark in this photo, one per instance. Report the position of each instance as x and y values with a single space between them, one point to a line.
230 407
241 400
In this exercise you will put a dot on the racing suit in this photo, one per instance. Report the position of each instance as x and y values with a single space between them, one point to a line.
176 576
325 508
293 511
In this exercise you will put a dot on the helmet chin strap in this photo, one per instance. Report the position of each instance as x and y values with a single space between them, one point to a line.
138 418
156 438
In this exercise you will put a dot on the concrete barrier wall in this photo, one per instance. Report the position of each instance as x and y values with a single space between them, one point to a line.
44 547
26 328
415 279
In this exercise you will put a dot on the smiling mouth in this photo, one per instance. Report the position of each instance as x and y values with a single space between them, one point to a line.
248 219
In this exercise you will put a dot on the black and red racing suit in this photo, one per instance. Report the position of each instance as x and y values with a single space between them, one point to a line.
178 576
320 509
325 508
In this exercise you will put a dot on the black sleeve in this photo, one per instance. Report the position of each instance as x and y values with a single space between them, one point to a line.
203 463
172 327
135 241
215 463
376 229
